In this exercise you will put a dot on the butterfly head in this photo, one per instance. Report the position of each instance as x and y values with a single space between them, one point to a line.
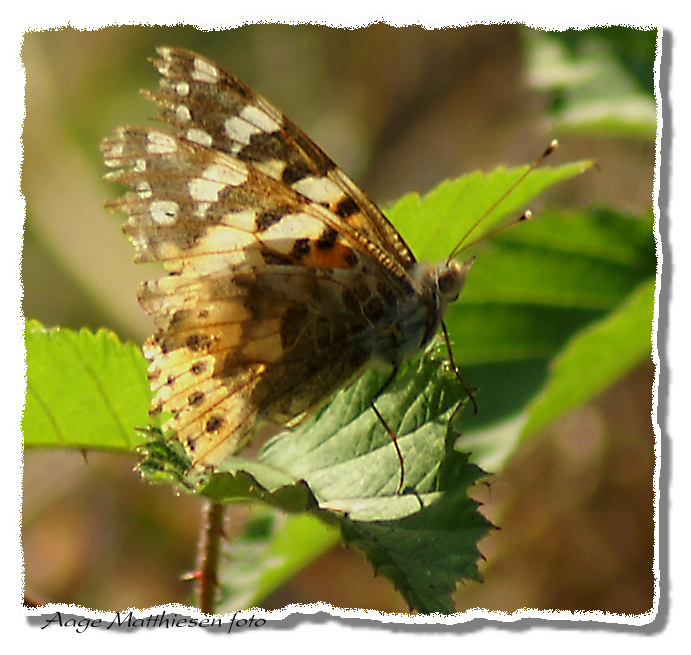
450 278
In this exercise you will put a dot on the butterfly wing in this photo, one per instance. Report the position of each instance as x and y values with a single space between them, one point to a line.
274 300
204 103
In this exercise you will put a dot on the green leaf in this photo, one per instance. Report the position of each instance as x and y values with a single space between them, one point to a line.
602 80
426 553
542 281
84 390
347 457
593 359
432 224
271 550
596 358
532 291
598 260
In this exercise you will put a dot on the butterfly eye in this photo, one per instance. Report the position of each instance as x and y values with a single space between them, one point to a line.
451 278
446 283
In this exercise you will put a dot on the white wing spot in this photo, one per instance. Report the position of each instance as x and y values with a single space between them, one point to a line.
319 189
164 212
182 88
160 144
260 119
140 242
240 130
242 220
222 246
183 113
201 209
283 234
139 166
271 167
204 71
144 190
114 152
223 239
205 190
202 137
214 179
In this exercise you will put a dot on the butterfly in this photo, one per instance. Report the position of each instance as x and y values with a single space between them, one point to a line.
285 281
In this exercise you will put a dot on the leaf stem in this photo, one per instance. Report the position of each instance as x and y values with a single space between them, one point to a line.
209 550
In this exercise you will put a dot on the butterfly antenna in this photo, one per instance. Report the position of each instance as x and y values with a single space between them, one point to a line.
527 215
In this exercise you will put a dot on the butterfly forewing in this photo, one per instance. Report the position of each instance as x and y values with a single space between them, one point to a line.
206 104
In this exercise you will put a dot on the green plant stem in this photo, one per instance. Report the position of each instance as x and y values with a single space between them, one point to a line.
209 550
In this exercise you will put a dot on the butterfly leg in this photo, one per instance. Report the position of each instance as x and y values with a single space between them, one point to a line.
454 368
391 433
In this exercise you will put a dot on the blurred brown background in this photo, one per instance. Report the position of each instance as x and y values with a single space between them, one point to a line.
399 110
